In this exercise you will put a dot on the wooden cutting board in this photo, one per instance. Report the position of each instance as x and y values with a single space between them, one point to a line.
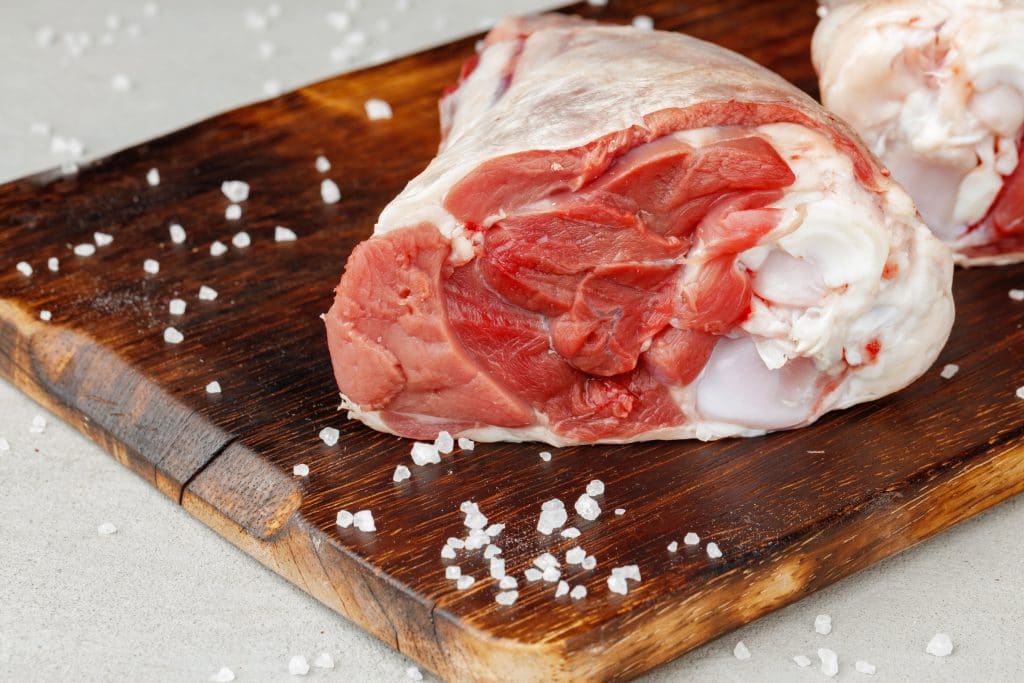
792 512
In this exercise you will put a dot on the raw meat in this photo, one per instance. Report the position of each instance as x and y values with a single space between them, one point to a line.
936 88
630 235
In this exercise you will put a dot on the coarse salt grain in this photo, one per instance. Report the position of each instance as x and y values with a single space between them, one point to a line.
213 387
272 87
329 191
444 443
207 293
39 128
575 555
448 553
597 3
491 551
533 574
102 239
714 552
85 249
344 519
173 336
106 529
464 582
823 624
151 266
298 666
949 371
413 673
1017 294
829 661
241 240
363 520
177 233
177 306
551 574
466 444
323 165
551 519
324 660
475 520
424 453
691 539
497 568
1020 393
940 645
301 470
643 22
578 592
563 589
401 473
121 83
339 21
545 456
5 445
741 651
45 316
38 425
595 487
865 667
495 529
224 675
452 572
620 511
218 248
589 562
267 49
233 212
283 234
802 660
506 582
570 532
53 263
673 546
150 9
457 543
329 435
617 584
587 508
377 110
506 597
153 177
24 268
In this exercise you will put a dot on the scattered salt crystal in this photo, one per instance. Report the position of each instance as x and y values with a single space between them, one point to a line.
740 651
643 22
823 624
497 567
673 546
5 445
329 191
552 516
1017 294
45 36
570 532
1020 393
344 519
829 661
68 168
551 574
298 666
589 562
495 529
629 571
24 268
324 660
283 234
401 473
448 553
475 520
106 529
272 87
53 263
595 488
329 435
545 456
597 3
339 21
940 645
323 165
575 555
38 425
587 508
949 371
274 10
457 543
235 190
267 49
464 582
377 110
225 675
691 538
363 520
207 293
713 551
452 572
153 177
424 453
233 212
121 83
620 511
578 592
241 240
177 306
802 660
506 597
151 266
102 239
413 673
213 387
553 504
218 248
617 584
301 470
466 444
468 506
85 249
563 589
533 574
173 336
865 667
45 316
491 551
177 233
444 443
507 582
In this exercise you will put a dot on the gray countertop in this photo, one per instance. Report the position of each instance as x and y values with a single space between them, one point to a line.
164 598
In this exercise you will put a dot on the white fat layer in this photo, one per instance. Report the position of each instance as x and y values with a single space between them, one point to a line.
937 91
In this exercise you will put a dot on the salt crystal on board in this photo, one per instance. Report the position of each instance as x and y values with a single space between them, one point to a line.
177 233
241 240
153 177
507 582
448 553
1020 393
324 660
233 212
497 568
949 371
620 511
1017 294
941 645
643 22
177 307
865 667
587 508
575 555
713 551
595 487
298 666
401 473
218 248
24 268
53 264
38 425
494 530
151 266
491 551
344 519
363 520
545 456
283 234
106 529
85 249
506 597
578 592
464 582
329 191
673 546
213 387
301 470
329 435
452 572
563 589
589 562
691 538
377 110
741 651
224 675
322 164
617 584
173 336
207 293
102 239
533 574
466 444
413 673
424 454
571 532
829 661
444 442
551 574
823 624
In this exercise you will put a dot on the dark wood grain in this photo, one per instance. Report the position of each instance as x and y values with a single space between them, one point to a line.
792 512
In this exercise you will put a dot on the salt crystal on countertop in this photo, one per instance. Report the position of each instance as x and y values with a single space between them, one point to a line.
457 543
578 592
823 624
24 268
45 36
494 529
272 87
691 539
283 234
589 562
323 164
102 239
802 660
545 560
218 248
570 532
617 584
177 233
575 555
377 110
741 651
595 487
207 293
506 597
233 212
301 470
597 3
829 661
39 128
452 572
401 473
38 425
550 520
150 9
329 191
413 673
85 249
153 177
363 520
1017 294
267 49
475 520
225 675
5 445
53 263
533 574
151 266
714 552
466 444
497 568
491 551
620 511
643 22
324 660
507 582
424 454
448 553
254 20
444 442
551 574
213 387
553 504
298 666
339 21
121 83
1020 393
629 571
949 371
673 546
563 589
173 336
464 582
177 306
241 240
344 519
329 435
587 508
865 667
545 456
106 529
940 645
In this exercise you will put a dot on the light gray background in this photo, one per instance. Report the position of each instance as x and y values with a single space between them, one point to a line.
165 599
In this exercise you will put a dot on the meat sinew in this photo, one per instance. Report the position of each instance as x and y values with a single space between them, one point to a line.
630 235
936 88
